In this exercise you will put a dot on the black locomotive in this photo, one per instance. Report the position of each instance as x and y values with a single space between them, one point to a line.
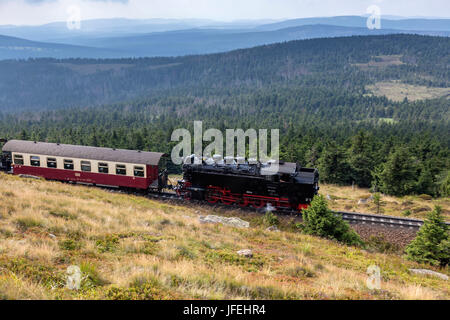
282 185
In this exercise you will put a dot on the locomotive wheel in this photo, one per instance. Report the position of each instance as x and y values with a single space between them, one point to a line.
257 204
212 200
227 202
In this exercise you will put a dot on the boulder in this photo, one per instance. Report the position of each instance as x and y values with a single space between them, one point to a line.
363 201
245 253
429 273
234 222
273 228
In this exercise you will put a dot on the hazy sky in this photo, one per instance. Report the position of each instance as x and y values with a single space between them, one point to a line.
44 11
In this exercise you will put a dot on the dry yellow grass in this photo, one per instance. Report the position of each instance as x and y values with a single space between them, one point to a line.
347 199
130 247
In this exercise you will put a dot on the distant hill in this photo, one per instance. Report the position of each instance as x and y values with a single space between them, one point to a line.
204 41
360 22
341 63
121 38
16 48
179 43
58 31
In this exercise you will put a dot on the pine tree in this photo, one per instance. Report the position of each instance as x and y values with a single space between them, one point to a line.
377 201
398 174
333 165
23 135
432 243
425 183
444 184
361 159
321 221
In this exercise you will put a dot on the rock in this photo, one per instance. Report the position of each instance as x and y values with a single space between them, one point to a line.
429 273
363 201
52 236
246 253
273 228
234 222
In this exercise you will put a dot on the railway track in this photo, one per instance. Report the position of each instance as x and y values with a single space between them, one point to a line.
373 219
351 217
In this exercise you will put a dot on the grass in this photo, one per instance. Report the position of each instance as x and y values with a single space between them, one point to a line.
415 206
397 91
130 247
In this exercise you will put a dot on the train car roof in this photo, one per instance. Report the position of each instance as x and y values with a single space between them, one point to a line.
83 152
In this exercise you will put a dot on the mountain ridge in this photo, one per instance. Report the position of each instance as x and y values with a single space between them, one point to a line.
182 42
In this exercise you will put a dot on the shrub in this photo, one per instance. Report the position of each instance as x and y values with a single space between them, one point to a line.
184 252
319 220
432 243
141 288
406 213
270 219
69 244
107 244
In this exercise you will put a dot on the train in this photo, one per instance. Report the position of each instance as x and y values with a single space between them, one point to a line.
230 180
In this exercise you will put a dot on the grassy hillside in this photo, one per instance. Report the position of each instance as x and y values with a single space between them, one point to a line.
346 198
129 247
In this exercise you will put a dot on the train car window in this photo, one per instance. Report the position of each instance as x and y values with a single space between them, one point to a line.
121 169
35 161
18 159
51 163
139 172
86 166
103 168
68 164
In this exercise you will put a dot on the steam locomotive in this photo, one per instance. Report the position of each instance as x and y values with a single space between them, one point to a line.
231 181
281 185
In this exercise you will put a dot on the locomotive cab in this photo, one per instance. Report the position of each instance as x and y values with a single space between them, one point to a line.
5 159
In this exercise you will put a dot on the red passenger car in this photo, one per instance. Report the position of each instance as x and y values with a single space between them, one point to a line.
88 165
